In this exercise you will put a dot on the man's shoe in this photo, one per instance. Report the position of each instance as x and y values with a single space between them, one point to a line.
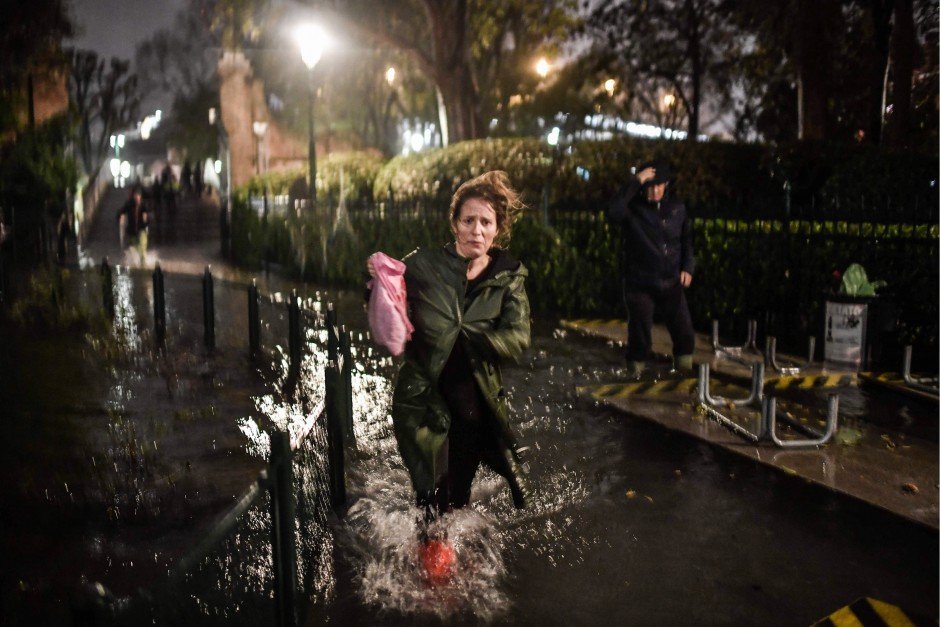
684 363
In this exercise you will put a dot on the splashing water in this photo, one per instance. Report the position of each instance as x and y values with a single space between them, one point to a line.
381 535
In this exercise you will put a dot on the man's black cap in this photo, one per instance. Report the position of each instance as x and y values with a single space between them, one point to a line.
664 172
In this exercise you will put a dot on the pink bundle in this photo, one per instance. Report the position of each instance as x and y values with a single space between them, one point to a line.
388 307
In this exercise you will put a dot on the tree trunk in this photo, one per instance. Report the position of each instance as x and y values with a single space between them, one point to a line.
902 62
881 28
453 73
816 23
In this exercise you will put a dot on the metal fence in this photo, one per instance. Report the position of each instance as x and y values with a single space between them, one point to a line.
267 558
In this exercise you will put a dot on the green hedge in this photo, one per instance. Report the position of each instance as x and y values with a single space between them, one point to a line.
358 170
714 178
438 172
745 267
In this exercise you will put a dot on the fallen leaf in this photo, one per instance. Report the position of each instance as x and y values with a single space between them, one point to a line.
677 472
910 488
631 494
648 498
889 443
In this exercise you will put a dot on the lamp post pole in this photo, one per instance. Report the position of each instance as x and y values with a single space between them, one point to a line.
312 146
312 41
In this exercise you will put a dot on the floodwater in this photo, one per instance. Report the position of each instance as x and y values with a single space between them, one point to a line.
627 524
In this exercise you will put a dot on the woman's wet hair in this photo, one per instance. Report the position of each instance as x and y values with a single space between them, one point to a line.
494 188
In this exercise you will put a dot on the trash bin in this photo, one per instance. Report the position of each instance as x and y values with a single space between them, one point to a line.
857 330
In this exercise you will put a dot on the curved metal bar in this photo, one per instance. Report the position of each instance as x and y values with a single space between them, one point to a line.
752 336
769 408
730 350
770 358
917 384
755 395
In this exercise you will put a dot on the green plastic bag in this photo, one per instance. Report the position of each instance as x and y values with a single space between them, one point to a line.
855 282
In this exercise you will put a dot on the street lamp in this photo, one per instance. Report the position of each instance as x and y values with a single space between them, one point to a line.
542 67
390 76
609 86
312 41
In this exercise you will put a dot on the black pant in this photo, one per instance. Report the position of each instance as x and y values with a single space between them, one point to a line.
671 305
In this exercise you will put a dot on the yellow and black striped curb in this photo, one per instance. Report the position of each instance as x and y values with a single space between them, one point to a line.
688 386
810 382
640 388
867 612
592 323
895 382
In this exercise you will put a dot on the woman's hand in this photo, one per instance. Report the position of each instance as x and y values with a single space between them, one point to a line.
370 267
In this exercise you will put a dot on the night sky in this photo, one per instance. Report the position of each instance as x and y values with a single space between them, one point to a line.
115 27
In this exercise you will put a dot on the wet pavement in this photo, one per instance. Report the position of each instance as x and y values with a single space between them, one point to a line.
884 454
629 523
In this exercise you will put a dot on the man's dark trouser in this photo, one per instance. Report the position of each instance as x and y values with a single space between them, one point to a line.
671 304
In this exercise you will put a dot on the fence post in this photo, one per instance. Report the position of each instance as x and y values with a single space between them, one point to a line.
107 287
334 413
345 349
283 536
208 308
294 332
159 306
254 320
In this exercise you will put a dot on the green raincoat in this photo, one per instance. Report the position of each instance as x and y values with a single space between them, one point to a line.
493 319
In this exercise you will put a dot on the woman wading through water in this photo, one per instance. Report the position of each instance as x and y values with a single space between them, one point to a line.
468 305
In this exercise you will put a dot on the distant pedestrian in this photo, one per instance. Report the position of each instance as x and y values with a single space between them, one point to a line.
198 180
186 180
135 220
656 264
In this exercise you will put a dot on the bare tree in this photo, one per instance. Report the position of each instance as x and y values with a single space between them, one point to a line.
105 98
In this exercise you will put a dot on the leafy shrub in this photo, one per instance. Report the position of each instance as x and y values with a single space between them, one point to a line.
356 169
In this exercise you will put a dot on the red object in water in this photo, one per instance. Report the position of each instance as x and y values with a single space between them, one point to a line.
438 559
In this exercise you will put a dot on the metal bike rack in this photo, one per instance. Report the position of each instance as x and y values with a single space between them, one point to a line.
750 343
924 384
769 424
756 395
769 413
770 356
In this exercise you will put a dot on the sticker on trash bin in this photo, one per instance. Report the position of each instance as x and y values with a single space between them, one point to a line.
845 332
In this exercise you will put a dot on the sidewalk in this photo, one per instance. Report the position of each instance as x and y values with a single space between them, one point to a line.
185 243
868 463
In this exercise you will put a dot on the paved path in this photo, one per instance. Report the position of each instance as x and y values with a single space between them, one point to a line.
880 467
185 242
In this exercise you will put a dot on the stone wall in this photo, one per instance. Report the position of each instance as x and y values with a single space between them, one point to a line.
242 102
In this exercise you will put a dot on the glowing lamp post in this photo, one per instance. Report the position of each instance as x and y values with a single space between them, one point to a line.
312 41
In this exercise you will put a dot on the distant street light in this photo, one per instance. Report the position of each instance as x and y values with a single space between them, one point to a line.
390 75
609 86
542 67
312 40
669 101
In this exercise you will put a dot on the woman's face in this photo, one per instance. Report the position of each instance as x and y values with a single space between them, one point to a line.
475 228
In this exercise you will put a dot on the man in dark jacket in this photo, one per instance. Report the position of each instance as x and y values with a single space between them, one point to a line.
134 218
656 264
